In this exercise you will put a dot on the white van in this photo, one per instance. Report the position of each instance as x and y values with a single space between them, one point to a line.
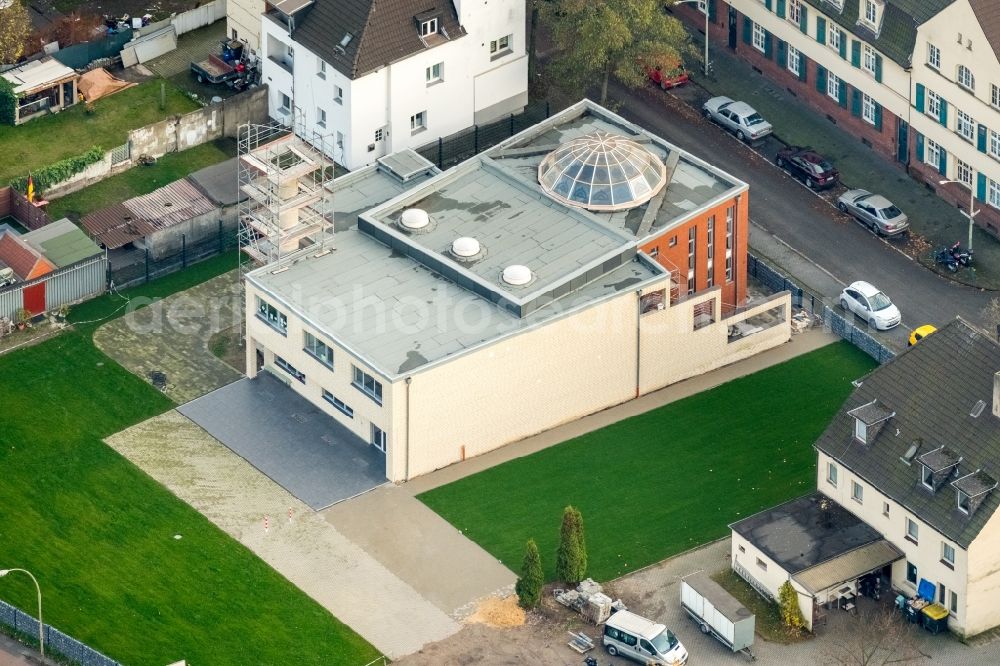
643 640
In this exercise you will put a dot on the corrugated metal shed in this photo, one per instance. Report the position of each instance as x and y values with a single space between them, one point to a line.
116 226
170 205
848 566
39 74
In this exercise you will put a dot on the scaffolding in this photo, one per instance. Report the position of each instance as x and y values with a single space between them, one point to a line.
287 183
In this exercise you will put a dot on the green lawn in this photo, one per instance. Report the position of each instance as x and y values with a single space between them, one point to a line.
99 534
43 141
662 482
141 179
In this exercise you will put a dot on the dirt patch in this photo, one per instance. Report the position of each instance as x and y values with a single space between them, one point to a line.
498 613
228 346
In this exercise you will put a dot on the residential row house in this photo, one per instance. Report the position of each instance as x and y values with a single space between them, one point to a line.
918 81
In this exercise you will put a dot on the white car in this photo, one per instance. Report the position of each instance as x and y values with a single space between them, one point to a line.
867 302
738 117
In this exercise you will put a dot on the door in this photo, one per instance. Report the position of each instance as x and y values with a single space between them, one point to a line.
732 27
260 360
902 141
34 298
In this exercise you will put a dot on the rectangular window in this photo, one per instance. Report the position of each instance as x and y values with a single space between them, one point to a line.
868 58
367 385
379 439
710 247
947 555
742 549
762 564
793 60
833 86
993 196
318 349
433 73
965 125
290 369
953 606
871 12
429 27
912 530
857 492
338 94
340 140
860 431
911 573
868 109
942 594
794 11
831 474
932 153
995 95
341 406
730 214
963 173
965 78
692 242
672 242
418 122
933 56
501 44
270 314
885 509
321 69
933 104
994 143
834 38
320 117
286 103
759 37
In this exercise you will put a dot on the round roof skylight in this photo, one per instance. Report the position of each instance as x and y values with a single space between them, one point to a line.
602 172
516 275
465 247
414 218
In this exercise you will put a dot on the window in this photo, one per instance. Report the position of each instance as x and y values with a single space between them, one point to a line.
794 60
831 474
338 94
379 134
834 38
710 240
270 314
942 594
963 173
340 140
236 35
993 196
933 104
418 122
885 509
759 37
932 153
857 492
318 349
947 556
290 369
321 69
742 549
994 143
433 73
868 107
833 86
320 117
730 213
995 95
965 125
286 103
860 431
911 573
912 530
367 385
339 404
692 241
672 242
933 56
762 564
655 252
501 45
428 27
871 12
794 11
703 6
868 58
965 78
378 438
963 503
953 607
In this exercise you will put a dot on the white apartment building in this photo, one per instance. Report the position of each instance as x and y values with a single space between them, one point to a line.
375 78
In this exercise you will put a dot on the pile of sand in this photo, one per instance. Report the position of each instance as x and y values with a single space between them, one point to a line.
500 613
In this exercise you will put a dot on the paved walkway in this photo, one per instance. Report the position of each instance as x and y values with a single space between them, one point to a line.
307 550
171 336
13 653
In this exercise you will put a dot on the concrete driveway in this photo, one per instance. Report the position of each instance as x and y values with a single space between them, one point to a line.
283 435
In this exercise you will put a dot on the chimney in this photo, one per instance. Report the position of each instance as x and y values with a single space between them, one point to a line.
996 394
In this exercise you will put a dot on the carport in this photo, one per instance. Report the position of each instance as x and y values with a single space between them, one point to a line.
280 433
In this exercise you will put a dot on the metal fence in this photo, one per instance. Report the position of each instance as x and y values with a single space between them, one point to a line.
120 153
148 268
817 307
55 640
450 150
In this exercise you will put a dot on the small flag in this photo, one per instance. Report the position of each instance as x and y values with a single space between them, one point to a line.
31 189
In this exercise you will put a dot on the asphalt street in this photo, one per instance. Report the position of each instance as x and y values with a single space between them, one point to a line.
829 248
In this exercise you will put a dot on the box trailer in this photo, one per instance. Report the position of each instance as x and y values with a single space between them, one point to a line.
718 613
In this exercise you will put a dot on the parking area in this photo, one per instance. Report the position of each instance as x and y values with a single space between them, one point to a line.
296 445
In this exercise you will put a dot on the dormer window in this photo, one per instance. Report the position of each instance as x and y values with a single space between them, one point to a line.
963 503
428 27
871 14
927 477
860 431
869 419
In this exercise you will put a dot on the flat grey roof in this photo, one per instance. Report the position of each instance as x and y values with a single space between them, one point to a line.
220 182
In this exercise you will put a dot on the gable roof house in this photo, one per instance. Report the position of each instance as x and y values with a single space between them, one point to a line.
371 78
914 454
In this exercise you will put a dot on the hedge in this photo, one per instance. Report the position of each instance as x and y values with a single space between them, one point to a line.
54 174
8 102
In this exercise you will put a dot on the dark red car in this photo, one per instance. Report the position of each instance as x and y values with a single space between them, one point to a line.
668 76
808 166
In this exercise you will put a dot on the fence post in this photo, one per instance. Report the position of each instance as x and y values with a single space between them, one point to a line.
183 251
476 139
440 153
512 124
147 264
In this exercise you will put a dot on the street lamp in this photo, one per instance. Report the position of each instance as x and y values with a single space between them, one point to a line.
699 3
41 640
972 203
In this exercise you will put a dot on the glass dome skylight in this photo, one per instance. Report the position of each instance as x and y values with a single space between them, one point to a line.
602 172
